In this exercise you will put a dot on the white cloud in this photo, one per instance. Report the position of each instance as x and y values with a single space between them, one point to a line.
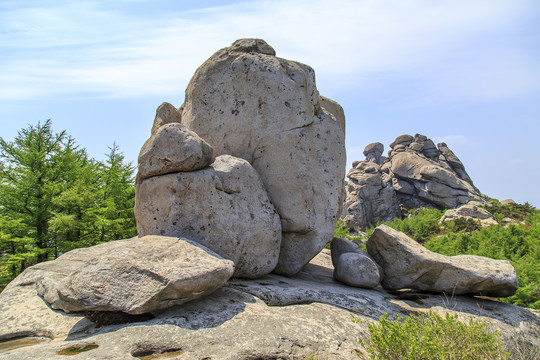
438 46
452 140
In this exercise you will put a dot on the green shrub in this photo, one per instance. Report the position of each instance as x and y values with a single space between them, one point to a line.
430 336
421 224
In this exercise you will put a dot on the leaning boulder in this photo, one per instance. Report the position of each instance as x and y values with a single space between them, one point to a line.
135 276
224 207
409 265
246 102
173 148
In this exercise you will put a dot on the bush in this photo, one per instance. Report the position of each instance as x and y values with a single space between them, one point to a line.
430 336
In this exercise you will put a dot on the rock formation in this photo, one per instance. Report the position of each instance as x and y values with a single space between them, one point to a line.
248 103
135 276
370 195
409 265
416 173
274 317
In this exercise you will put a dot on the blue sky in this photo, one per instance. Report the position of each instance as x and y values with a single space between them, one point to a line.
463 72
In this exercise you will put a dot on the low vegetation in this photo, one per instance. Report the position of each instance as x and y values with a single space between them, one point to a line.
429 336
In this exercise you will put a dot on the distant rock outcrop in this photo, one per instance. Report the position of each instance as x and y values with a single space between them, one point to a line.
416 173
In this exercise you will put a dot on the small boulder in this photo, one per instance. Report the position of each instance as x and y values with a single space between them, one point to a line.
404 140
173 148
166 114
409 265
135 276
374 152
358 270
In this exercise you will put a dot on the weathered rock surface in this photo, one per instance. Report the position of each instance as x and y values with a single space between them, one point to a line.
370 195
469 212
166 114
224 207
242 321
246 102
134 276
409 265
415 174
173 148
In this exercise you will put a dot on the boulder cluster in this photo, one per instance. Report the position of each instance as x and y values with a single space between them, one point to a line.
245 181
415 174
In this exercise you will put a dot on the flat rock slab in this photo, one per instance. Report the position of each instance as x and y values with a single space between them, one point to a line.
134 276
409 265
240 321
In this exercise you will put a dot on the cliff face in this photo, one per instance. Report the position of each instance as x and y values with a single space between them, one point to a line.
416 173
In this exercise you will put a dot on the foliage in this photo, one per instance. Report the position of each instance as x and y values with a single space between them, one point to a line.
421 224
430 336
54 198
514 211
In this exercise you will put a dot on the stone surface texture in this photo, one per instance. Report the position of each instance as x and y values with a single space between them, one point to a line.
246 102
173 148
409 265
224 207
134 276
469 211
416 173
274 317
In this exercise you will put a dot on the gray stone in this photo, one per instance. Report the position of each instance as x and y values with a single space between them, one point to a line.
469 211
273 317
166 114
409 265
357 270
258 46
173 148
340 246
370 197
134 276
373 152
404 140
224 207
333 108
267 110
508 202
454 162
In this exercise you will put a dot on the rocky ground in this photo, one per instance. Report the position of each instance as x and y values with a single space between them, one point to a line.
274 317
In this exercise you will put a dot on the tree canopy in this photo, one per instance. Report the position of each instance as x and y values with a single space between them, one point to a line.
54 198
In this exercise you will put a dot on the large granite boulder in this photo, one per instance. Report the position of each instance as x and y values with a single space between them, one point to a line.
409 265
275 317
173 148
246 102
224 207
415 174
134 276
469 211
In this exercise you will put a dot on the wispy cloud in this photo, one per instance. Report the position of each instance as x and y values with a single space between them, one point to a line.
452 140
445 49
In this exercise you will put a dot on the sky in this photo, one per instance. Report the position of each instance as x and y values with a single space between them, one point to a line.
466 72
